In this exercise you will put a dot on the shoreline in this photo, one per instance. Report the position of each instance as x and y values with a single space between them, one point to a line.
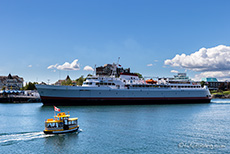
20 99
221 96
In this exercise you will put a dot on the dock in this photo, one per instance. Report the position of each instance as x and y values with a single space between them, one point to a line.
19 99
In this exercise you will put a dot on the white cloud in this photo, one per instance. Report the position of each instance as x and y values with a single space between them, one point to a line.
149 64
88 68
174 71
211 59
66 66
221 75
52 66
29 65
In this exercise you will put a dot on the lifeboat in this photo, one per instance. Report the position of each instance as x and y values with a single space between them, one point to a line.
61 123
151 81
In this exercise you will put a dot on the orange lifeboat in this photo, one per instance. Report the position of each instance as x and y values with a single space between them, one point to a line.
151 81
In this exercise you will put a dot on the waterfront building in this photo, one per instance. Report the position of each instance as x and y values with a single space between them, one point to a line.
111 69
213 83
11 82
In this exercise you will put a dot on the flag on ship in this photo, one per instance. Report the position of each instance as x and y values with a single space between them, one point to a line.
56 109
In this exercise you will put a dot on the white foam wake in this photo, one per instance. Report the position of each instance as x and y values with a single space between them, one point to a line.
11 138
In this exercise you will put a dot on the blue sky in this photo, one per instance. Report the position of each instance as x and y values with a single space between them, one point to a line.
146 35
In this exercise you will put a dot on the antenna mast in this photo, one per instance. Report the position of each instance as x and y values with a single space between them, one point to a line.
94 70
118 60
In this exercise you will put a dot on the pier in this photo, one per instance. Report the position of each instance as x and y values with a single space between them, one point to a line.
13 96
19 99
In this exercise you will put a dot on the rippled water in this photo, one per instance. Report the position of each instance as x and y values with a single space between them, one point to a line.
179 128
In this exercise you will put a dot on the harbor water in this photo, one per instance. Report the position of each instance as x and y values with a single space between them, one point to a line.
178 128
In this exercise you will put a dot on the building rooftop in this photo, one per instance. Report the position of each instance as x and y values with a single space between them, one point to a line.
209 79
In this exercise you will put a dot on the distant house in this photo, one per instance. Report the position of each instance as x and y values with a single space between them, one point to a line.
213 83
59 82
11 82
111 69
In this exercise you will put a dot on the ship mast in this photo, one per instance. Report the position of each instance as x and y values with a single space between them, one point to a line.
118 60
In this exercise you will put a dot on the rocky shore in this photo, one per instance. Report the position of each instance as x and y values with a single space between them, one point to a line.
220 96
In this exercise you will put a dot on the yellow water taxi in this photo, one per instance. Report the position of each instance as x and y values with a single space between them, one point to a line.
61 123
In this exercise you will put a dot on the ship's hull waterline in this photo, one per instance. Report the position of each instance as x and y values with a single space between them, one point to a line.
85 102
67 95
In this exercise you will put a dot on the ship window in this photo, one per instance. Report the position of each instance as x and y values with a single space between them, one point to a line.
113 83
97 83
101 83
109 83
90 83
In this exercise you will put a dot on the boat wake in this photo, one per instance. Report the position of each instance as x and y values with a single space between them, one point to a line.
9 139
13 138
220 101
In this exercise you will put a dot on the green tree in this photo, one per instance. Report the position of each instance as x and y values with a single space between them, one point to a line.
30 86
228 86
80 80
202 83
222 87
139 75
67 82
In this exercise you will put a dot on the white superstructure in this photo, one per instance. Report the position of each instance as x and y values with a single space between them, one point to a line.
126 89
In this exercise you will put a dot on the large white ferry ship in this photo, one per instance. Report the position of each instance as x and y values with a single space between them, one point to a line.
126 89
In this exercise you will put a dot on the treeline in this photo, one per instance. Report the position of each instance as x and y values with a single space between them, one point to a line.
30 86
223 86
79 81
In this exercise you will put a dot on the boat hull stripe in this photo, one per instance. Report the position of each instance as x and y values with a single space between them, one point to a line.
123 98
122 101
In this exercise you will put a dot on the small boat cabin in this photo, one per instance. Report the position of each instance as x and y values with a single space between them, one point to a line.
61 123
